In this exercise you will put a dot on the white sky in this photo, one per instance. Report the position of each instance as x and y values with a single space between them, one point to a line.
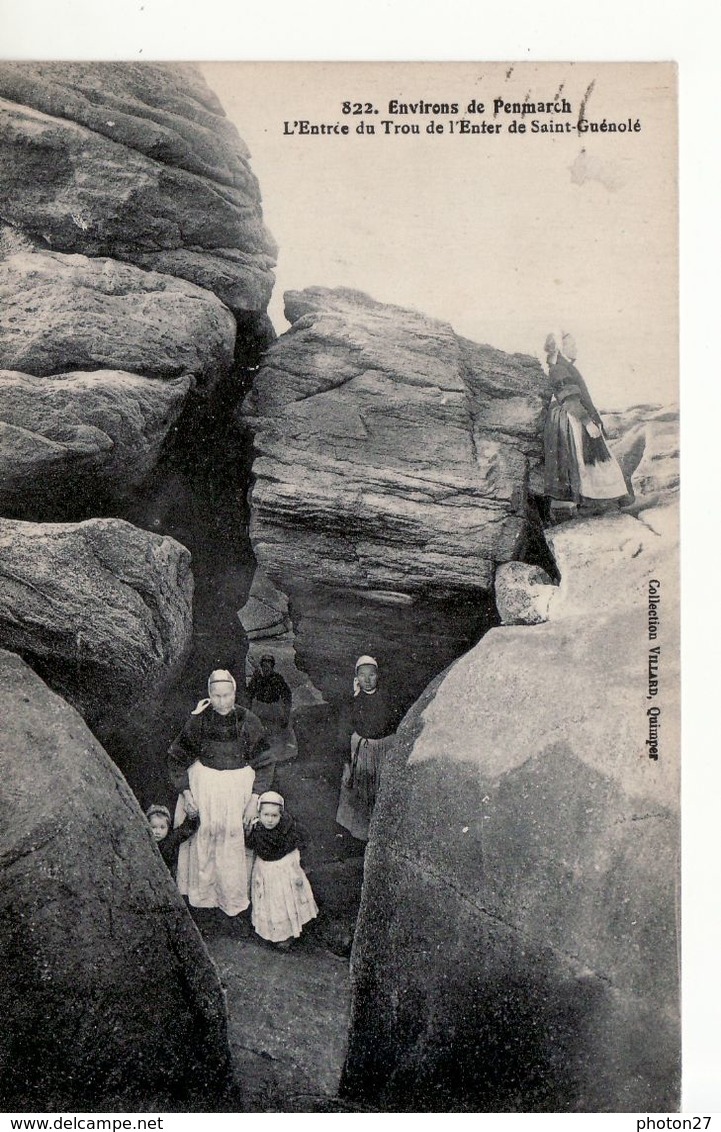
489 233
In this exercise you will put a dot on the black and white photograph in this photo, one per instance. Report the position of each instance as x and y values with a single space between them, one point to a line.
339 587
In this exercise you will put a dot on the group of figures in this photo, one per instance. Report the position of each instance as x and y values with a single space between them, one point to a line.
231 843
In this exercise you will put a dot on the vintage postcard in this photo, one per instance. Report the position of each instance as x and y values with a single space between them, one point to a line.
339 618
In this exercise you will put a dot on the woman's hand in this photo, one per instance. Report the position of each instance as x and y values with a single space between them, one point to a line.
250 812
189 802
593 430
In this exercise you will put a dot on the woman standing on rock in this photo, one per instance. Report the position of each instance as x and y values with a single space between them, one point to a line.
373 722
579 464
216 764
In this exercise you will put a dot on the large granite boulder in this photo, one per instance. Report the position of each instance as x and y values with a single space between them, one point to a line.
100 609
165 111
392 455
517 940
106 183
132 241
72 436
523 593
64 312
109 999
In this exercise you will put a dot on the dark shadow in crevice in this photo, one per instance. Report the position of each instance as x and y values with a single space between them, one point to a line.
534 549
196 495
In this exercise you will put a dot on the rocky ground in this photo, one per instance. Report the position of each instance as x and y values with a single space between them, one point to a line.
288 1022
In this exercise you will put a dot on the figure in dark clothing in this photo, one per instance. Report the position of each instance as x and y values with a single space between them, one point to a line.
219 767
269 696
373 721
169 840
579 466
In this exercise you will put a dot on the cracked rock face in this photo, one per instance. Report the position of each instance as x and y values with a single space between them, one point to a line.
122 161
132 242
109 1000
392 455
80 434
65 312
517 944
99 608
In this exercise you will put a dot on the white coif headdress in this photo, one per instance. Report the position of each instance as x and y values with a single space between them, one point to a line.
362 660
219 676
271 798
554 342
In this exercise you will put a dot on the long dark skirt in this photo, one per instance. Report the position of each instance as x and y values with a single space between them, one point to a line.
360 782
567 475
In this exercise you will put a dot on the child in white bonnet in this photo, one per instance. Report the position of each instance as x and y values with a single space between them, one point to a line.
281 896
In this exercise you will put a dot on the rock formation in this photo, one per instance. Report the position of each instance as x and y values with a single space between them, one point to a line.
132 235
523 593
92 164
79 436
109 1000
135 272
134 275
645 440
102 606
517 943
100 314
392 456
393 463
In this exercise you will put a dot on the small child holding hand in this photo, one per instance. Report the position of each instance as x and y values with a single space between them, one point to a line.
169 840
282 899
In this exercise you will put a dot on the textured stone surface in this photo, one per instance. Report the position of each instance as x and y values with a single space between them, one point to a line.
108 997
131 223
265 614
523 593
517 940
98 608
108 185
60 313
645 441
165 111
288 1048
392 455
81 432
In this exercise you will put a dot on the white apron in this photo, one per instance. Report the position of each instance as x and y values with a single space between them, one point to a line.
282 898
214 865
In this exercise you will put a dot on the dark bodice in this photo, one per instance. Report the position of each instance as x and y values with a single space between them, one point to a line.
372 716
222 742
273 844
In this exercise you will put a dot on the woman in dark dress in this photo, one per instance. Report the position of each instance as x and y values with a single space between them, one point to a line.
217 766
580 467
373 723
